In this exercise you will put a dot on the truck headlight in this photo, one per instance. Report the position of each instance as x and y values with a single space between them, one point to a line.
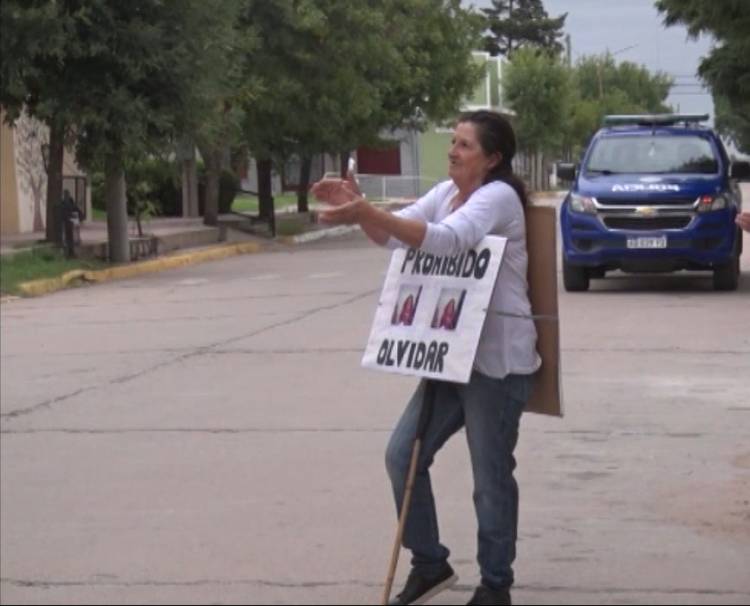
582 204
708 203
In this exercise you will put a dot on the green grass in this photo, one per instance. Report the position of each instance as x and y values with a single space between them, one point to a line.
245 203
36 264
248 203
242 203
291 224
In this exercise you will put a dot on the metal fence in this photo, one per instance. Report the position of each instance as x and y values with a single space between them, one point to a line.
534 169
395 187
392 187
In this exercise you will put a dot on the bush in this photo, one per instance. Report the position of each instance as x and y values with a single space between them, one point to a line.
228 186
152 181
159 180
96 179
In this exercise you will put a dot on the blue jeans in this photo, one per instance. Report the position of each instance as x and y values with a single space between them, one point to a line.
490 409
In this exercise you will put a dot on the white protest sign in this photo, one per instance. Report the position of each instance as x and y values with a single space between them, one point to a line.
431 311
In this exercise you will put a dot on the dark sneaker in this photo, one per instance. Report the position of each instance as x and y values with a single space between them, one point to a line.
484 596
419 589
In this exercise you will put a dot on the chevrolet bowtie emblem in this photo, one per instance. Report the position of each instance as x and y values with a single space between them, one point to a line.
645 211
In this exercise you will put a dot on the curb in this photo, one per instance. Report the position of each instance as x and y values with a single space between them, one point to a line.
45 286
36 288
331 232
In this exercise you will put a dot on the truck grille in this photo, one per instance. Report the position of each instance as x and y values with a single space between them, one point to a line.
660 202
646 223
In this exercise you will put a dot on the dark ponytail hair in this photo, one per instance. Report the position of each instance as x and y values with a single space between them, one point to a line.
496 135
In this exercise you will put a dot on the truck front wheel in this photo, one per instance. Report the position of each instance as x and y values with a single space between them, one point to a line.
727 276
575 277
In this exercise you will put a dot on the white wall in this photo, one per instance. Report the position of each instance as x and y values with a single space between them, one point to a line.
28 136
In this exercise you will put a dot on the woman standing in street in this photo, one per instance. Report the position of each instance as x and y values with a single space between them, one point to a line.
482 197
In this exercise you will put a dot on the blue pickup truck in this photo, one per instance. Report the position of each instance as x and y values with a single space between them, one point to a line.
654 193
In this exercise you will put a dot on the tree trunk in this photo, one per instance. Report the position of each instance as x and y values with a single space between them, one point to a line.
186 154
304 184
212 160
38 224
344 163
225 157
117 212
239 161
265 199
189 188
53 230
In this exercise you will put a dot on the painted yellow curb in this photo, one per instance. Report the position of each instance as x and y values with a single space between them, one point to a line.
35 288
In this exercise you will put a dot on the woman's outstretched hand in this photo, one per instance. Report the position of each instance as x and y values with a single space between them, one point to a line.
348 206
344 196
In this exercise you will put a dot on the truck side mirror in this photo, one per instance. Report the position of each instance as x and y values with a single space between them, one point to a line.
740 170
566 171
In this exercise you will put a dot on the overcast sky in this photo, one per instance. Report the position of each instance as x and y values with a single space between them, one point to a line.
633 31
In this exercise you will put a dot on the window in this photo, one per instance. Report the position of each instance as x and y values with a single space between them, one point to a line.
652 154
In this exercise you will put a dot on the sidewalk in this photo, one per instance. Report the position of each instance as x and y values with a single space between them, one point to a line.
172 233
180 242
175 233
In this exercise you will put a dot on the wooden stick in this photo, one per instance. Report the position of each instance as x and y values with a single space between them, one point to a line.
428 400
402 521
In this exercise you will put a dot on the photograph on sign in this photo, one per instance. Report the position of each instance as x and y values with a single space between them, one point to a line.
406 304
448 308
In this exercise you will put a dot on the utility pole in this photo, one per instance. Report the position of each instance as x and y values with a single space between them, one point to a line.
600 66
510 40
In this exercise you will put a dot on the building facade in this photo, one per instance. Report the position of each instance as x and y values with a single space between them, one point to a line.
416 161
23 176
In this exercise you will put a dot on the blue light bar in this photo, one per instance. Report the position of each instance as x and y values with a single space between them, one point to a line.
653 119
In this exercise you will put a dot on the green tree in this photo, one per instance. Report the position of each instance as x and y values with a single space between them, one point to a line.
134 73
537 87
733 125
601 86
121 76
218 92
333 77
726 69
308 69
35 77
513 24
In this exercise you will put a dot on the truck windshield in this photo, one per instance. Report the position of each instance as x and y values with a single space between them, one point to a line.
655 154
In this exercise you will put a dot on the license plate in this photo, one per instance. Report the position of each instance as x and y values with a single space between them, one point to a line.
646 242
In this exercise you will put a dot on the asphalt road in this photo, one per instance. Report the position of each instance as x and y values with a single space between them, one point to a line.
206 435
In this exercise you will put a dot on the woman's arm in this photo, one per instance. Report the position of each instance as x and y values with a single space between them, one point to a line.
351 208
379 225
